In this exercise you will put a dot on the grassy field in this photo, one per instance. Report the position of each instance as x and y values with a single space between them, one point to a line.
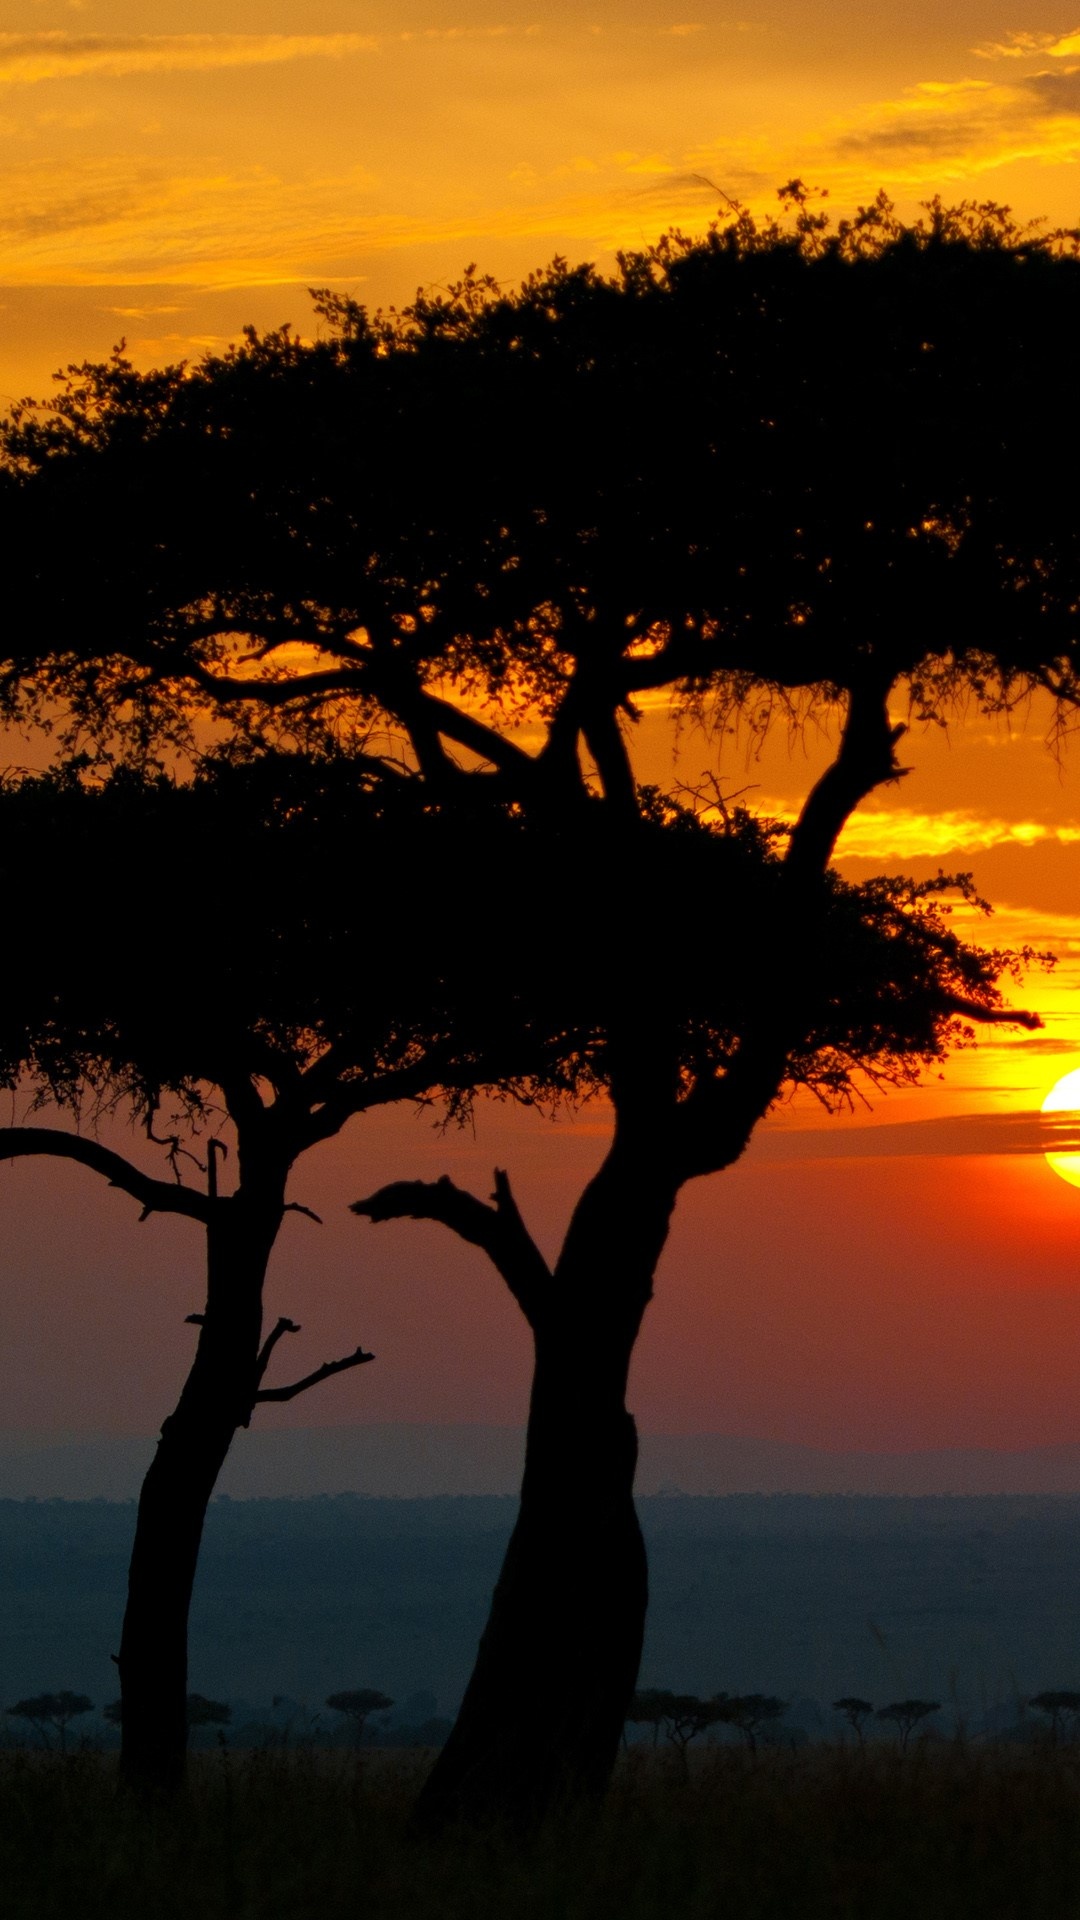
832 1832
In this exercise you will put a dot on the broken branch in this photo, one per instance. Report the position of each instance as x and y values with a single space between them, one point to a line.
498 1229
283 1327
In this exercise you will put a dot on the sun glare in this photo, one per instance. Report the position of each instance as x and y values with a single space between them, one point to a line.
1064 1097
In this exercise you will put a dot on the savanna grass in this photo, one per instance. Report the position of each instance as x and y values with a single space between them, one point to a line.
947 1830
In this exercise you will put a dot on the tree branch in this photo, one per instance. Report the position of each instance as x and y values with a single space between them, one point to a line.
331 1367
604 738
227 688
154 1196
468 731
440 715
992 1016
283 1327
715 1123
498 1229
867 759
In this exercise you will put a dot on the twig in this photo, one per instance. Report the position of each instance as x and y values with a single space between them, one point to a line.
283 1326
293 1206
331 1367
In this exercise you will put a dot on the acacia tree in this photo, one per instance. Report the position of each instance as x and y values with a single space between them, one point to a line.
358 1704
771 469
56 1710
683 1716
750 1712
856 1712
906 1715
237 1036
1061 1707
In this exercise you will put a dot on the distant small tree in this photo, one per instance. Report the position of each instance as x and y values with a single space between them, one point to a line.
358 1706
687 1716
207 1713
682 1715
750 1712
906 1715
1061 1708
201 1712
855 1712
648 1708
56 1710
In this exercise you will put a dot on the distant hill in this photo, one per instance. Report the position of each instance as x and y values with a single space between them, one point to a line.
975 1600
418 1462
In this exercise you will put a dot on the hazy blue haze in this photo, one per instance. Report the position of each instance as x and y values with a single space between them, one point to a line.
972 1598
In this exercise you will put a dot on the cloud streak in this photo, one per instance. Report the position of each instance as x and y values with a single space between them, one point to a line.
903 833
954 1136
27 59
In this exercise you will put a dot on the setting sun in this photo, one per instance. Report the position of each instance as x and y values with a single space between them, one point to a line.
1064 1097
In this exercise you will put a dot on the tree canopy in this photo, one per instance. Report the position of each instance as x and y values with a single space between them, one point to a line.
186 942
775 458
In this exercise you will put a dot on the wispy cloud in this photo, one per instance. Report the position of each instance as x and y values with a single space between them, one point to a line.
1056 92
1029 1132
903 833
26 59
906 834
1026 46
1026 110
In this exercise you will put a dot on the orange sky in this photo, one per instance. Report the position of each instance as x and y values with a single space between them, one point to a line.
170 172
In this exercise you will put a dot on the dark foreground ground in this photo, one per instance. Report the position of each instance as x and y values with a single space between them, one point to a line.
947 1830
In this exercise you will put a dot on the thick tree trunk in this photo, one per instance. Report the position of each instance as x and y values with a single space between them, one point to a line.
195 1439
543 1714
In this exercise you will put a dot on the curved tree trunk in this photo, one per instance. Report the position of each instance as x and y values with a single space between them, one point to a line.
543 1713
216 1399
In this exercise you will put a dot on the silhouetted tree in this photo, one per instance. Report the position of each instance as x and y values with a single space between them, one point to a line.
683 1716
56 1710
760 472
676 1116
202 1712
247 1036
358 1707
856 1712
1061 1708
906 1715
750 1713
647 1708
